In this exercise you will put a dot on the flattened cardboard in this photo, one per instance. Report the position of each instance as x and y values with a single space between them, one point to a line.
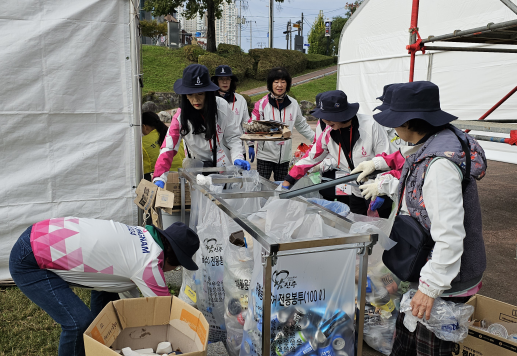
144 322
164 200
145 194
481 343
173 185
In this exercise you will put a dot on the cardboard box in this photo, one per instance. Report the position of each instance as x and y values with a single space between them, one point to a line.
149 197
173 185
482 343
144 322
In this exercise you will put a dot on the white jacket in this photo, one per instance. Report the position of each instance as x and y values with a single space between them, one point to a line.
291 115
241 114
372 141
228 135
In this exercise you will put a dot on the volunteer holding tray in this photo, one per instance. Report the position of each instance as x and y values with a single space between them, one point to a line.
105 256
349 138
205 123
274 156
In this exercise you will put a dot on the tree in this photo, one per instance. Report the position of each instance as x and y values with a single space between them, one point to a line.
192 8
153 29
318 41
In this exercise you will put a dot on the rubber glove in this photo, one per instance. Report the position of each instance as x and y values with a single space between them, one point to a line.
251 152
286 187
243 164
369 191
376 204
159 183
367 167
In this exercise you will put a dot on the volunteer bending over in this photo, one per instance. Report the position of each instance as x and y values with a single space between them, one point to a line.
274 156
349 139
227 83
204 122
154 132
105 256
432 189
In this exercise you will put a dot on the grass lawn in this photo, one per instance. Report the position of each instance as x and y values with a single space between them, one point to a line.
161 68
25 329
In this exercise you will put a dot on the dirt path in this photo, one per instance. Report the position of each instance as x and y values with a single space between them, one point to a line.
296 80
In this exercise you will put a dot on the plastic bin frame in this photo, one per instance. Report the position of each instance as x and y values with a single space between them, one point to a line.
365 242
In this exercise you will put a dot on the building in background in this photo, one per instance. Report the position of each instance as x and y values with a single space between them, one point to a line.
196 24
226 27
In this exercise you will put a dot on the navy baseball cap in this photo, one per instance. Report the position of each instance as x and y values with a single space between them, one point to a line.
196 79
415 100
334 106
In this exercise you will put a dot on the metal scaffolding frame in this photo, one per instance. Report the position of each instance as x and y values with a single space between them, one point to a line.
504 33
364 243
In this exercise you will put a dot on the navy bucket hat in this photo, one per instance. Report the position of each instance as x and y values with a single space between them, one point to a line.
224 71
381 98
334 106
196 79
386 97
184 242
416 100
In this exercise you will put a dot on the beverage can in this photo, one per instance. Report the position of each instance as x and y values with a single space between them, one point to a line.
326 351
234 306
304 349
338 343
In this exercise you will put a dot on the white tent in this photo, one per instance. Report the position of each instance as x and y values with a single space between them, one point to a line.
372 53
70 98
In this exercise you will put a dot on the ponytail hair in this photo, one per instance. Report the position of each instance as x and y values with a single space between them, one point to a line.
151 119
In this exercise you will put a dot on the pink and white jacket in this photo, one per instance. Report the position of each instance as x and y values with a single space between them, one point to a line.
100 254
291 115
228 135
372 141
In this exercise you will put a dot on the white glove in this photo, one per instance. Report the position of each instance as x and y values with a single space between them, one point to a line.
367 167
369 191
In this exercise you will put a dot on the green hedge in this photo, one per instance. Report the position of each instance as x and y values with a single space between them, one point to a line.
227 50
318 61
241 64
267 58
192 52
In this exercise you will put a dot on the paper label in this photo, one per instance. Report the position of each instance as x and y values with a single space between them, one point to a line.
343 189
191 294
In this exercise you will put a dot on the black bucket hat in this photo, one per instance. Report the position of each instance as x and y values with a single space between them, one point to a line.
334 106
196 79
184 242
381 98
416 100
224 71
386 97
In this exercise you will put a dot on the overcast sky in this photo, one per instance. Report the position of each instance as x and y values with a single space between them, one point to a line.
258 12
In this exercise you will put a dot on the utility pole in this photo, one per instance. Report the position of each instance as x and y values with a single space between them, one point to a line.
271 23
290 36
240 22
251 37
287 35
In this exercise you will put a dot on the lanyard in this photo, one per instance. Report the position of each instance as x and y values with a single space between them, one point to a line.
233 105
279 111
217 136
349 153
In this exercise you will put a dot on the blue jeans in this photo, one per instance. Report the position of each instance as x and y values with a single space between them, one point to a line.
52 294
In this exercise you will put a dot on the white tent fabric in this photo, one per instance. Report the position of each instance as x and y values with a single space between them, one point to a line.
66 145
372 53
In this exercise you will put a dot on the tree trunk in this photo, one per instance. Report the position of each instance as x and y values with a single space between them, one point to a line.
210 29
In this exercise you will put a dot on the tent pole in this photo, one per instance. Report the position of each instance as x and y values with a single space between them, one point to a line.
469 49
413 37
496 105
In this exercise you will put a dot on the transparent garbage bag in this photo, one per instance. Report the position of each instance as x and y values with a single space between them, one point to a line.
238 268
449 321
312 305
307 181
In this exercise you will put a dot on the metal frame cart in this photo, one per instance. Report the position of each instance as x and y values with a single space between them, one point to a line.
363 243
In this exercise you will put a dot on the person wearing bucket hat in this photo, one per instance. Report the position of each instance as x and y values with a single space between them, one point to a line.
274 156
227 83
437 188
348 138
105 256
205 124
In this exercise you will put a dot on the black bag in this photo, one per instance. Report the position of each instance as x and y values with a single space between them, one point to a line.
414 242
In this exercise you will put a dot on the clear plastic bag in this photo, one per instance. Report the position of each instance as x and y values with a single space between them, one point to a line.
449 321
238 268
312 305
